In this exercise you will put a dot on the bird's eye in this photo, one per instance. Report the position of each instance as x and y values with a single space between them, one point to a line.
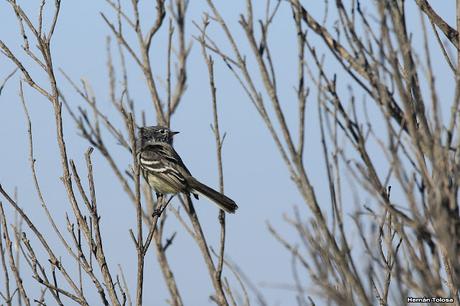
163 131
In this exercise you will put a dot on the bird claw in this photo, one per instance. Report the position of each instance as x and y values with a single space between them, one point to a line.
156 212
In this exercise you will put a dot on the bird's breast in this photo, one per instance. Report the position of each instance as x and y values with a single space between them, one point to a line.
160 185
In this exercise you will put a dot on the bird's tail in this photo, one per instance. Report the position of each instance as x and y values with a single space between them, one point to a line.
224 202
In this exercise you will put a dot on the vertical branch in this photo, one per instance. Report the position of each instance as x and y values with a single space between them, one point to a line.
458 41
204 248
168 70
13 264
137 191
156 210
7 294
219 142
302 93
160 248
182 53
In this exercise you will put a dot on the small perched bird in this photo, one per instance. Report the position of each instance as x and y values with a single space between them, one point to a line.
165 172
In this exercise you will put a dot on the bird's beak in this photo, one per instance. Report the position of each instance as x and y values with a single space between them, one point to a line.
174 133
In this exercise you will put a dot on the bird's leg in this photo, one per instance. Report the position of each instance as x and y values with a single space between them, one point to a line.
159 211
156 211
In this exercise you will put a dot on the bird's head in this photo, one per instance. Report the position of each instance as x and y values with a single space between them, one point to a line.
153 134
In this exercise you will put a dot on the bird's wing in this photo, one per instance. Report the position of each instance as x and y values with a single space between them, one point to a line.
163 161
166 153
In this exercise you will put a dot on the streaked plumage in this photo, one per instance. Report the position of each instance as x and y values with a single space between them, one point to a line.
164 170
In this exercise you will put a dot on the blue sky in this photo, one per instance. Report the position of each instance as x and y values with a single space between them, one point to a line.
255 175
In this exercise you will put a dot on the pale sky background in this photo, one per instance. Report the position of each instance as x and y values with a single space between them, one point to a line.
255 176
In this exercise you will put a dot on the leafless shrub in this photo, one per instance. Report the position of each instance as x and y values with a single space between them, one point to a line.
408 241
413 249
85 245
